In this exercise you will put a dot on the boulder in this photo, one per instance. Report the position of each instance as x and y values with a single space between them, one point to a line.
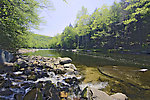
99 95
72 66
5 56
119 96
65 60
50 91
95 94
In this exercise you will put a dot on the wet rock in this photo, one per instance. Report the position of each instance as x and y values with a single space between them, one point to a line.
8 64
84 93
65 60
22 63
34 94
98 94
31 95
51 74
72 81
6 92
51 92
27 85
22 69
1 79
119 96
59 71
72 66
24 76
18 96
95 94
39 85
42 74
6 83
32 77
63 94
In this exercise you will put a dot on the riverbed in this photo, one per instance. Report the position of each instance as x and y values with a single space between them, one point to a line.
121 71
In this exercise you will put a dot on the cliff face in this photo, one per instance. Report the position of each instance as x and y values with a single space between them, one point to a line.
5 56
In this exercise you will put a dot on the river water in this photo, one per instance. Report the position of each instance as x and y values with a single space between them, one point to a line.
121 71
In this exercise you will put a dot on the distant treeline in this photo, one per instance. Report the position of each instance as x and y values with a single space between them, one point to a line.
37 41
122 26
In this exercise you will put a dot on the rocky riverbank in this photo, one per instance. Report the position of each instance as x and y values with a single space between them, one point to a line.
21 51
45 78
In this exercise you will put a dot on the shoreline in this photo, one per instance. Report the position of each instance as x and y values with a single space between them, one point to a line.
57 73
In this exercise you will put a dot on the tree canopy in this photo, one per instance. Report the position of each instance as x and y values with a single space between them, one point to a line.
124 25
17 17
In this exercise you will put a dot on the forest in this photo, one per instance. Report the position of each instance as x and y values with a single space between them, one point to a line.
122 26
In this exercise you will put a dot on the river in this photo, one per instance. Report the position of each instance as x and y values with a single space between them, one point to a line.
121 71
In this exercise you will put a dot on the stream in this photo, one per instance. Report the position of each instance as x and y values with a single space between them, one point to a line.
121 71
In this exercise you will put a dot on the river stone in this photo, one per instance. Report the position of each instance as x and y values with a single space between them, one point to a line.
6 92
31 95
7 83
119 96
65 60
22 63
8 64
96 94
51 92
72 66
63 94
18 96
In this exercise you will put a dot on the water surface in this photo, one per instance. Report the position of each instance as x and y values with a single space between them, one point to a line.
122 70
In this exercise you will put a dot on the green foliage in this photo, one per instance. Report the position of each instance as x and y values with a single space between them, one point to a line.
138 9
37 41
122 26
17 17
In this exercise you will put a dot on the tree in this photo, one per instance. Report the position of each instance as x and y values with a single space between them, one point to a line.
17 17
138 9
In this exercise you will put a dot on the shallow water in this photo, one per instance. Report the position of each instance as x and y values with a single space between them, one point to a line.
124 68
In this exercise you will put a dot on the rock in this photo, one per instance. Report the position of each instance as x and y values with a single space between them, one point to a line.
32 77
6 83
72 81
18 96
67 70
22 63
84 93
59 71
8 64
5 56
31 95
63 94
119 96
50 91
143 70
6 92
95 94
65 60
70 66
99 95
22 69
51 74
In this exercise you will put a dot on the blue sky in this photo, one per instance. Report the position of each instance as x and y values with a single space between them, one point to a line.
65 13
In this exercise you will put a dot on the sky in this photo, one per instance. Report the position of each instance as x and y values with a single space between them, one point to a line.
62 14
